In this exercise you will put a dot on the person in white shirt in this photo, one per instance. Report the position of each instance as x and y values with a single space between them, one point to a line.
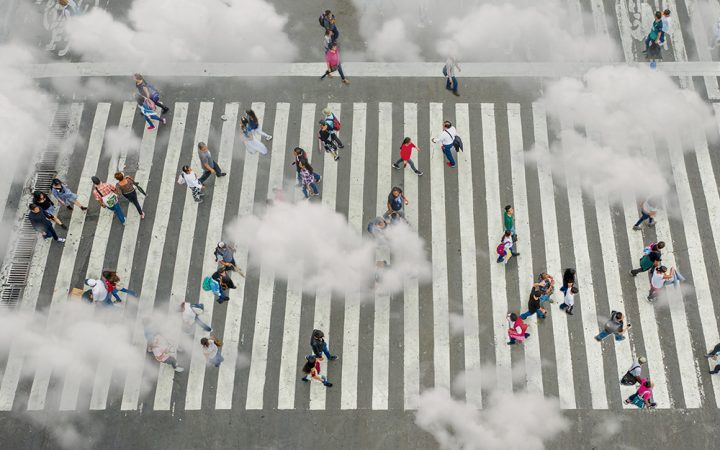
211 350
662 277
632 376
446 139
190 313
99 292
667 25
451 82
165 352
569 300
188 178
649 211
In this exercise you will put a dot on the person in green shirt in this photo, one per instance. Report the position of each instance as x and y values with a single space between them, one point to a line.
509 221
656 34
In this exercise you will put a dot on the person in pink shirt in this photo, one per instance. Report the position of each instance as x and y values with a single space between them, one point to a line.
643 397
332 58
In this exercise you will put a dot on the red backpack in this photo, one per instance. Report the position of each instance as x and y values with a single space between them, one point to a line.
500 249
336 124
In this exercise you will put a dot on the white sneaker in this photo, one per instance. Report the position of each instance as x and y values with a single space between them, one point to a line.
179 369
61 240
269 138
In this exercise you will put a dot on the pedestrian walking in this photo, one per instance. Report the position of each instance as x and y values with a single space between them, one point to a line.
569 300
534 306
714 354
377 226
406 156
615 325
48 207
111 280
326 141
308 180
667 26
225 257
446 139
191 316
642 398
509 221
451 82
327 21
311 369
332 59
97 293
334 126
517 329
652 256
212 350
656 32
319 346
662 277
219 283
64 195
649 209
147 109
632 376
106 195
165 352
147 90
252 145
254 125
569 279
210 167
396 202
189 179
127 187
506 248
546 285
301 157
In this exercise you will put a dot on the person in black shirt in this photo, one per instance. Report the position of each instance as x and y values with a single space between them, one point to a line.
319 346
534 306
396 202
39 221
569 279
326 141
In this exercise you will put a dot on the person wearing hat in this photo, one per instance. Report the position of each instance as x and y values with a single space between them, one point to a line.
64 195
311 369
41 223
333 126
632 376
106 195
319 346
326 140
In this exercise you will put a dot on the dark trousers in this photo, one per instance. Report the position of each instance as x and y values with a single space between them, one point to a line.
334 137
338 68
451 84
132 196
206 174
50 232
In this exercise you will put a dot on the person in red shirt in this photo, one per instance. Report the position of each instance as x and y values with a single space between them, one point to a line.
405 154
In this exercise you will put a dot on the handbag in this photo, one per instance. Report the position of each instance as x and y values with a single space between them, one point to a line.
109 200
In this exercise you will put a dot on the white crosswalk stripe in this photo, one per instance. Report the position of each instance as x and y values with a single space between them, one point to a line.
487 152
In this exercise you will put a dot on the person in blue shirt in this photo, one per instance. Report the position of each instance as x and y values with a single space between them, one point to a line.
396 202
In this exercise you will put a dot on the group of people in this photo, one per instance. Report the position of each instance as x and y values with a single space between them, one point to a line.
656 38
330 46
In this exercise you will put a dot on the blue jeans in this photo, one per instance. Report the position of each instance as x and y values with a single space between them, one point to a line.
643 218
447 149
221 298
152 116
50 232
451 84
217 359
501 258
118 212
326 351
314 188
127 291
603 334
527 314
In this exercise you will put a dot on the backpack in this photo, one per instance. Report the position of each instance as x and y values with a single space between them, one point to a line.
335 123
629 379
321 19
649 248
500 249
207 284
445 70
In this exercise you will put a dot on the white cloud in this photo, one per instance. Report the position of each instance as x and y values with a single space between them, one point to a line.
184 30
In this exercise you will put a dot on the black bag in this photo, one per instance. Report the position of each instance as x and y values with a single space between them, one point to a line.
458 144
629 379
445 70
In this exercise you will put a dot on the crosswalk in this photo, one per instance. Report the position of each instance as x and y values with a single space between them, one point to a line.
397 346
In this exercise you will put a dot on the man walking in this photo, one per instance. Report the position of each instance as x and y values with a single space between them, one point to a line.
208 163
106 195
451 82
632 376
40 223
615 325
446 139
319 346
649 210
534 306
509 221
651 258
